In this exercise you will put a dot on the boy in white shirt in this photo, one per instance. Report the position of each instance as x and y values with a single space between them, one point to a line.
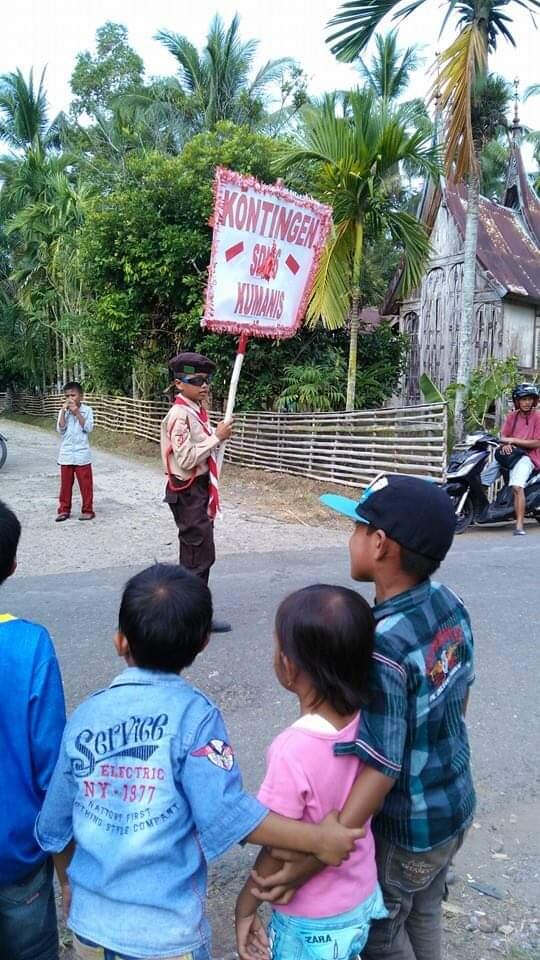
75 422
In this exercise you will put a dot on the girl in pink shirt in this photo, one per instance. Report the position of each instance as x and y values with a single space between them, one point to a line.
324 642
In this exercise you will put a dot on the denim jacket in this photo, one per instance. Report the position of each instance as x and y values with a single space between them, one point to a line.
149 788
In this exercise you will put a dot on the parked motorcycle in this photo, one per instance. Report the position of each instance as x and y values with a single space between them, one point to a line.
464 486
3 451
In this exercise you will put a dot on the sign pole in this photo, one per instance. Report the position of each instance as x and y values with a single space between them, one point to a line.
233 387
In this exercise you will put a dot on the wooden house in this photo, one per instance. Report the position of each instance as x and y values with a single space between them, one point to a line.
507 294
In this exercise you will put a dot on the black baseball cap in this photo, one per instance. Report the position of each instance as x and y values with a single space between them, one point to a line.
414 512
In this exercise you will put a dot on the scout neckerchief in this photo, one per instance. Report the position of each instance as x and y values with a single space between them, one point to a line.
213 491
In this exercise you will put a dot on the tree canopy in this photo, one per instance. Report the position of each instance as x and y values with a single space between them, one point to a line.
104 235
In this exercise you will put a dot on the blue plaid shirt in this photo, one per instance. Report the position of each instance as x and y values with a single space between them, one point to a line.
414 729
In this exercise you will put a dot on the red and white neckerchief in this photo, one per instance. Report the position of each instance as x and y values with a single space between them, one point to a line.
214 505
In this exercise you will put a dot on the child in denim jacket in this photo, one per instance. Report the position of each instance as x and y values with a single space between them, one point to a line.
148 788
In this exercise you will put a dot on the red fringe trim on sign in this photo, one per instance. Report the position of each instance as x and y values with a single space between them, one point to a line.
245 182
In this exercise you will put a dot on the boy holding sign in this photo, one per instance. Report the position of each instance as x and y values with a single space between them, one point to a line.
188 449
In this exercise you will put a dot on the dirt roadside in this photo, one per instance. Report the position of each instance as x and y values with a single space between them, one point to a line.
133 524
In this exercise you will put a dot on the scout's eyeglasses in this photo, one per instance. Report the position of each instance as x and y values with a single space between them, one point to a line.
199 380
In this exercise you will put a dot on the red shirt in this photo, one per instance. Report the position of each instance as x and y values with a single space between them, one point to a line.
524 427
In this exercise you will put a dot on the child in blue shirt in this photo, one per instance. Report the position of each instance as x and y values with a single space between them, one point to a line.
148 788
32 719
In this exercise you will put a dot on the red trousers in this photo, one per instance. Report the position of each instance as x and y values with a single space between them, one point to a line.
86 486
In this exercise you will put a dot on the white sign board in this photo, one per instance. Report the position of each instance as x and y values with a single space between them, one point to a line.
266 246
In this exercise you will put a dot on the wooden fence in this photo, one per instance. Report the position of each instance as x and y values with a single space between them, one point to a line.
345 448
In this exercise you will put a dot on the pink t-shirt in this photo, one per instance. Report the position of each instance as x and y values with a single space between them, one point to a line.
524 428
305 781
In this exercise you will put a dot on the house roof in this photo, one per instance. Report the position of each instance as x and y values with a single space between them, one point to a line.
520 195
370 318
506 250
508 247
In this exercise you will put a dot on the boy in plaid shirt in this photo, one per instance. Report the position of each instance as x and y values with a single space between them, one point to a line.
412 737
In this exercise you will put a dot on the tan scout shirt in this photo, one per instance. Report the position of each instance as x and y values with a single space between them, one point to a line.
184 444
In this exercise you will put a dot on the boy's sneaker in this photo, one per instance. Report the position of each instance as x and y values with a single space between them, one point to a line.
519 533
86 516
61 516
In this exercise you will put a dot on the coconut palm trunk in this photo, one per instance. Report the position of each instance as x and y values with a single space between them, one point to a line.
465 345
355 317
462 69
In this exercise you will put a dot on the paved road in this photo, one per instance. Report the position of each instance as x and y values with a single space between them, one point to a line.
496 574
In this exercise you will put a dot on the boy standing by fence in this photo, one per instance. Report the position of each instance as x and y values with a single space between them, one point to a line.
75 422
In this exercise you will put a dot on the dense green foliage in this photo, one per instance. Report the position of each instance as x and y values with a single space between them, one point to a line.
104 235
145 248
116 69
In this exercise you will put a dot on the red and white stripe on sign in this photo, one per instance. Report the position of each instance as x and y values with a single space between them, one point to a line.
292 264
233 251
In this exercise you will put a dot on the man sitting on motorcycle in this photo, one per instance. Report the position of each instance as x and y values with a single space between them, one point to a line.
520 430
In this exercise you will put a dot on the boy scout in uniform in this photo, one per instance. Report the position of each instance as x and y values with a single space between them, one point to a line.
188 449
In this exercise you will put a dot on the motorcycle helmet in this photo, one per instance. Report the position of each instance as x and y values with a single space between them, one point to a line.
525 390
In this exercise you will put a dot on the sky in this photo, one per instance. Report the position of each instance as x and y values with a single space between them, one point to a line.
50 33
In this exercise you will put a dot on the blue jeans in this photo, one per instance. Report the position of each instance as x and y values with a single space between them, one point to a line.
340 937
86 950
28 929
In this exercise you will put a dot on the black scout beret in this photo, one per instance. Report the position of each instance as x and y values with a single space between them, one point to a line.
190 363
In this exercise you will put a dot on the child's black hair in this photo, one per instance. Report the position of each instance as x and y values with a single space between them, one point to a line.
165 615
328 633
416 565
10 531
73 385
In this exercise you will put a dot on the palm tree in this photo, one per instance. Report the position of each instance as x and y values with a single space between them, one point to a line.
25 128
486 117
356 152
532 91
463 70
494 168
23 111
388 76
489 120
218 81
389 72
44 252
40 209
